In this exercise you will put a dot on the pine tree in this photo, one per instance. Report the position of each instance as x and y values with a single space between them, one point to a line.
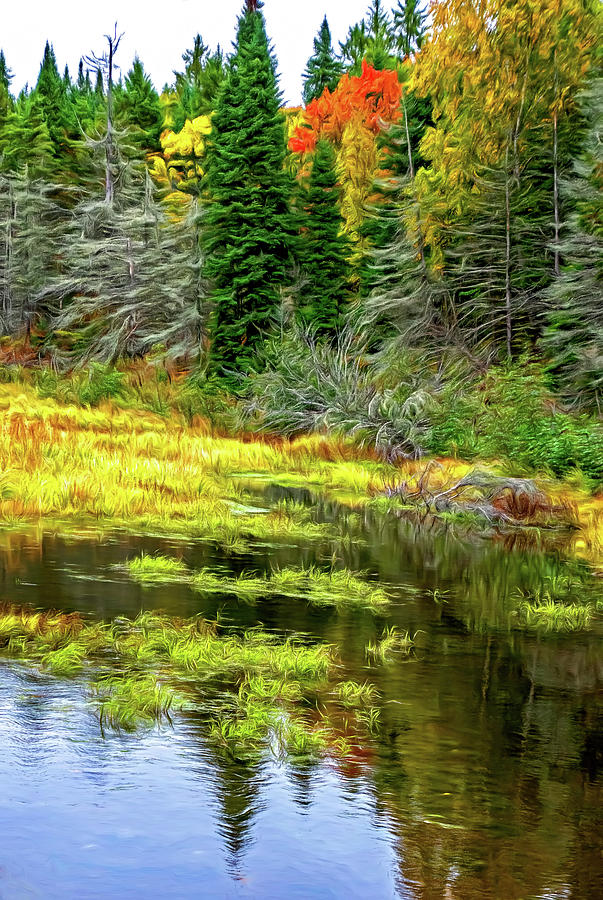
137 109
25 140
31 240
325 248
324 69
131 277
249 227
198 87
372 40
83 100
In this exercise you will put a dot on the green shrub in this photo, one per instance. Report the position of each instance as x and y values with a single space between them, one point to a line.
510 415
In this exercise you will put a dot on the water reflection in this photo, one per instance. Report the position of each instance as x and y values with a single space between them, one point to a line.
483 782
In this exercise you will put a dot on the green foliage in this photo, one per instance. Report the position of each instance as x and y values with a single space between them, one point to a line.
409 26
574 336
138 110
85 388
324 69
56 108
198 87
324 249
248 232
509 415
373 39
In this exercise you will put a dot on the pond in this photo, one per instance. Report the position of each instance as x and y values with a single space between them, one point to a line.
482 780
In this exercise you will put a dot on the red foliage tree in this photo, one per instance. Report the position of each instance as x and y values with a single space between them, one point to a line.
373 97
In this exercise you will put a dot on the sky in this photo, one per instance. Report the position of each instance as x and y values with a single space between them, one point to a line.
160 32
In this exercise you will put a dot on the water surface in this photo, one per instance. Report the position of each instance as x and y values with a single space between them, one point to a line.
483 781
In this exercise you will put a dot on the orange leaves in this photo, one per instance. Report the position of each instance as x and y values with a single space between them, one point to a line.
372 97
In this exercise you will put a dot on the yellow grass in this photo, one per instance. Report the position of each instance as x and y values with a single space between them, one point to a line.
137 470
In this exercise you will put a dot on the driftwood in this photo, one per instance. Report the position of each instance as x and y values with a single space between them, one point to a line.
497 498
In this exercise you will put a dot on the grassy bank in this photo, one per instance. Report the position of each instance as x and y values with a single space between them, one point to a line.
145 472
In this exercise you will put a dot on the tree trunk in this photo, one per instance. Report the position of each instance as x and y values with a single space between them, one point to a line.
508 257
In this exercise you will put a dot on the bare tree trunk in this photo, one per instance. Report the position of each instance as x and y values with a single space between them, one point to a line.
556 192
508 256
109 186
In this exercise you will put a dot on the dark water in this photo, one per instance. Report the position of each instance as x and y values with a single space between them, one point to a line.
483 782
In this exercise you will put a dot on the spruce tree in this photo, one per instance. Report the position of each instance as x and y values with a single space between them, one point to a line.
409 26
325 248
6 100
130 278
25 140
31 240
372 40
324 69
249 227
137 109
55 102
198 87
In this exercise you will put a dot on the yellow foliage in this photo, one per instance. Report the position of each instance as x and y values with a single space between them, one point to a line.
357 163
179 167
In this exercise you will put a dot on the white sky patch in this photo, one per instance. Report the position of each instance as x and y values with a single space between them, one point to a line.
160 33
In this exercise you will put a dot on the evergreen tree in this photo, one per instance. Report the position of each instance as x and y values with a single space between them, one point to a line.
25 140
54 101
137 109
324 69
409 26
372 40
30 243
197 88
6 100
574 336
83 100
249 228
325 248
131 278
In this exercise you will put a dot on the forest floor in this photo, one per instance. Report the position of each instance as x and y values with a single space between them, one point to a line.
144 472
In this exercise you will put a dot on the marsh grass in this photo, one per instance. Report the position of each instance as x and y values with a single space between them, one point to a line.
391 641
334 587
352 694
254 690
544 612
156 569
131 469
565 602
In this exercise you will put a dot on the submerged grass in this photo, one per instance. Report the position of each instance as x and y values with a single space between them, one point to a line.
543 612
335 587
253 691
146 568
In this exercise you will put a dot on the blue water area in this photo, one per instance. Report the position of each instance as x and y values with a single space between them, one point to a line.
483 779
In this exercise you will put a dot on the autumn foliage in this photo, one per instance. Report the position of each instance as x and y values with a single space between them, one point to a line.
372 98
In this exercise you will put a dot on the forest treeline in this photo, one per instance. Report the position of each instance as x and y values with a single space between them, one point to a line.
434 207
